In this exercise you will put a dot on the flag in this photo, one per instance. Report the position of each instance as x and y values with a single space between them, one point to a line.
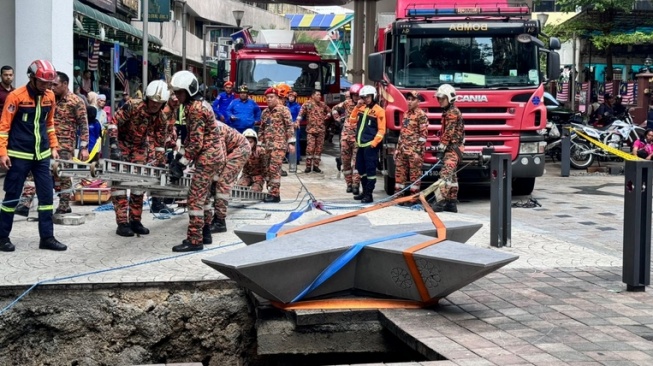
563 92
93 55
244 35
600 91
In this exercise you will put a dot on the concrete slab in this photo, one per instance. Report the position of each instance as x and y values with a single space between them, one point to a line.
281 268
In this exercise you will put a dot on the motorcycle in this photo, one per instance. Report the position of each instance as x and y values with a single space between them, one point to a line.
553 137
620 134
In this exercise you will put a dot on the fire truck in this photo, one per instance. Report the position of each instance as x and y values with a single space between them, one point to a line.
490 52
262 65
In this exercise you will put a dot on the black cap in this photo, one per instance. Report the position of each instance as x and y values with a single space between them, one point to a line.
607 96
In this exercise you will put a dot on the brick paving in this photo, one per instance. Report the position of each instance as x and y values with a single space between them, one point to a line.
562 302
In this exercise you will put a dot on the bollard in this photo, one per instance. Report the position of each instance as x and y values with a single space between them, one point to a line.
500 196
637 225
565 154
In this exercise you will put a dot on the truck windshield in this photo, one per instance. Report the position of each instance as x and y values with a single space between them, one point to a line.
495 61
261 74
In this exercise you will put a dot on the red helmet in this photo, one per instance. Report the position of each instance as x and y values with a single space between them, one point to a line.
272 90
42 70
355 88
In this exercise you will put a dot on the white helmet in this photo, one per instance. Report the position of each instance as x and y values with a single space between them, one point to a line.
185 80
448 91
157 91
367 90
250 133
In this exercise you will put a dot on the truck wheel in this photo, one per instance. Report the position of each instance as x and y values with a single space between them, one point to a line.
580 156
522 186
389 185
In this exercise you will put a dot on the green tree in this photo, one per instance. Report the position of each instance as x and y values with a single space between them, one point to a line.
604 23
321 46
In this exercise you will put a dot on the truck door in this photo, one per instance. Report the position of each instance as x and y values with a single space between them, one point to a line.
331 82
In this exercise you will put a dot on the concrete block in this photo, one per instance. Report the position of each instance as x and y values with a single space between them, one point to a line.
68 219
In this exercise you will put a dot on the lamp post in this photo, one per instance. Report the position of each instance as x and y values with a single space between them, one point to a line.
238 15
542 18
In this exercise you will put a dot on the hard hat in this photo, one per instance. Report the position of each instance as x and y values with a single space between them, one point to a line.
446 91
271 90
250 133
157 91
185 80
42 70
368 90
243 89
355 88
283 90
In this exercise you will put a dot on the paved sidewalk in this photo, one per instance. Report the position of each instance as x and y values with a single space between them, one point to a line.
561 302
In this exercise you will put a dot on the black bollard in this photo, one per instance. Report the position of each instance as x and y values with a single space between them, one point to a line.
500 196
565 154
637 225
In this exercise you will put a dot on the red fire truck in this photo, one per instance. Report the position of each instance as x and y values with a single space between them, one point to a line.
491 54
261 66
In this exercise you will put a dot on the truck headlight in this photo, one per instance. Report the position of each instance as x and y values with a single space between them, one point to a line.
530 148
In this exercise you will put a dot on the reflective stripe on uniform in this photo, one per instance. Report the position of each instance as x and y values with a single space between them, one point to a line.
346 172
20 155
7 209
223 196
112 127
160 149
137 193
275 180
45 208
196 213
121 192
207 207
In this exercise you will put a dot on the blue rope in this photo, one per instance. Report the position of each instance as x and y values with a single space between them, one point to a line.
342 261
272 232
53 280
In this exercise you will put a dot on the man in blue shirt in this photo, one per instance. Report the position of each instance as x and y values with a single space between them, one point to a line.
294 107
243 113
221 103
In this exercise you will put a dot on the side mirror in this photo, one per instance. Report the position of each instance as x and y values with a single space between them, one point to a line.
554 43
375 67
553 66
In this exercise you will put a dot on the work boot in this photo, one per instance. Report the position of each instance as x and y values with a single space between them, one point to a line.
158 206
6 245
60 211
307 170
360 196
284 173
367 199
187 246
349 189
138 228
445 205
272 199
124 230
317 170
218 225
339 163
206 235
22 210
451 206
355 190
52 244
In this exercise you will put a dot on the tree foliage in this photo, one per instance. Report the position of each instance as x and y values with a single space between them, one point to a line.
305 37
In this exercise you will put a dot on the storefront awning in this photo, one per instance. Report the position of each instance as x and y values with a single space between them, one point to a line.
318 21
122 32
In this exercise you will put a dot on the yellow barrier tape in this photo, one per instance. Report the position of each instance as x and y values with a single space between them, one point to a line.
622 154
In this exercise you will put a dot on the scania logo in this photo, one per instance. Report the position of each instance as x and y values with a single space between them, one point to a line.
473 98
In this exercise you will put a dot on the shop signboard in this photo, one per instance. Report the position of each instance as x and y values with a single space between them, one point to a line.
108 5
159 10
129 6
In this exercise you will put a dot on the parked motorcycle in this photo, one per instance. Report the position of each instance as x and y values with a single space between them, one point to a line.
620 134
553 136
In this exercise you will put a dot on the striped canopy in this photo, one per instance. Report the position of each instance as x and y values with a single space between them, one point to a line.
318 21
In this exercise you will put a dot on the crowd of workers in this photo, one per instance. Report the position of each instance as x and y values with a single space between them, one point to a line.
43 120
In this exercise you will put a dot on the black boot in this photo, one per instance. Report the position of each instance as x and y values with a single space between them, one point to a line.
52 244
6 245
124 230
451 206
368 198
206 235
349 189
158 206
355 190
317 169
218 225
187 246
361 195
22 210
272 199
284 173
138 228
